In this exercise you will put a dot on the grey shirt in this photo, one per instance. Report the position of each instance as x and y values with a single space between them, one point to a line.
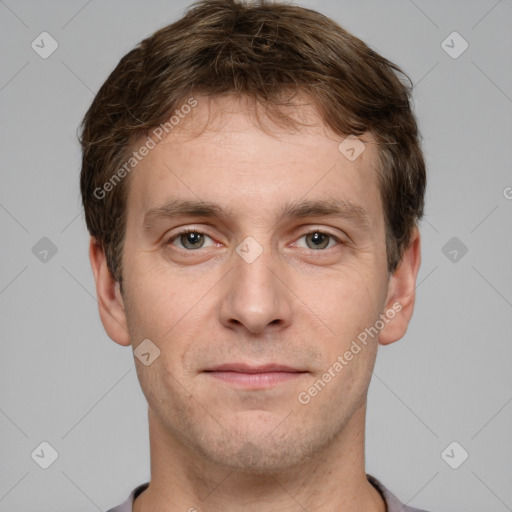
392 502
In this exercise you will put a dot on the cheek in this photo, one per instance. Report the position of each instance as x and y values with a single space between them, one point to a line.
157 301
346 299
348 305
173 313
166 394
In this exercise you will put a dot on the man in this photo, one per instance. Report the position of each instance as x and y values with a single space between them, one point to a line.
252 181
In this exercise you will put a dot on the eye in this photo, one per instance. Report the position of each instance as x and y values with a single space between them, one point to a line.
189 239
317 240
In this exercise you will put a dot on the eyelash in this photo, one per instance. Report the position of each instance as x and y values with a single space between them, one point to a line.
188 230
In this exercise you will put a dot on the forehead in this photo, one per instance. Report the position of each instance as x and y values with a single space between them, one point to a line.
226 150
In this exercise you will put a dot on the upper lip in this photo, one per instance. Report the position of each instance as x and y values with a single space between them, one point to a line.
245 368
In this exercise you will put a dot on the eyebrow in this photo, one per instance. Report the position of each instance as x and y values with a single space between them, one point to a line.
331 207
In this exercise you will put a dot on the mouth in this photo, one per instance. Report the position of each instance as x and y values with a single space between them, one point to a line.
254 377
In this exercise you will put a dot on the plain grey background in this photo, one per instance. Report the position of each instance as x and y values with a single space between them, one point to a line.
64 382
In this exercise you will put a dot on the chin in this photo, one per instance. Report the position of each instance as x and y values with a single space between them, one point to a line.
258 458
255 450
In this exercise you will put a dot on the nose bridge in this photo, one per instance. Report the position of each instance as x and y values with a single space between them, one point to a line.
255 296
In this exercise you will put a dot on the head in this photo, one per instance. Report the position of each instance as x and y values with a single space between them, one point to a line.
288 151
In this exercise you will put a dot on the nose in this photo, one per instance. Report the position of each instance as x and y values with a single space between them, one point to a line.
256 297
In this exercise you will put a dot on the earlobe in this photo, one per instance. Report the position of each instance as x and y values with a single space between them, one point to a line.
401 293
110 300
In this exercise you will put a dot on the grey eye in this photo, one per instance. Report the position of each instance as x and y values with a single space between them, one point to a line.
317 240
192 240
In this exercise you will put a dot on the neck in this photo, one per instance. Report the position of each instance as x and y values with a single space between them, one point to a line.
333 480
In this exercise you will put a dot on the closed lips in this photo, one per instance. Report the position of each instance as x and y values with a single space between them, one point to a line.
243 368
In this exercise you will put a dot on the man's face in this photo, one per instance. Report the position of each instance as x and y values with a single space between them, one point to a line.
284 304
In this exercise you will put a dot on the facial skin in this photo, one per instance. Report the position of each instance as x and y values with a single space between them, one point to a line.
219 443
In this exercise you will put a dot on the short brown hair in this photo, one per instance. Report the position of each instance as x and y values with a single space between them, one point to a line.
267 52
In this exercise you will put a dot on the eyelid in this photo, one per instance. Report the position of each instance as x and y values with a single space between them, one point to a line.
184 231
323 230
191 229
339 239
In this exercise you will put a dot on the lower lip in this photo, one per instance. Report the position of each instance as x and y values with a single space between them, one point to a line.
255 380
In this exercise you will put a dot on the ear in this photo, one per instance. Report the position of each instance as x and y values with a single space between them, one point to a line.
401 293
110 300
